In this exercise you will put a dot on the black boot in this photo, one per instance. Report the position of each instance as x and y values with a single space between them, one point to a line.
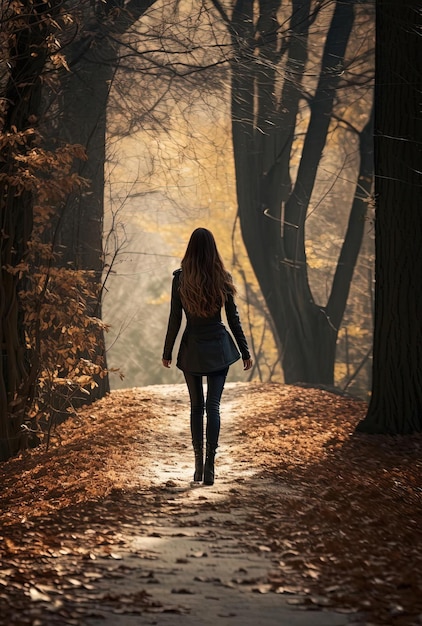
199 461
209 465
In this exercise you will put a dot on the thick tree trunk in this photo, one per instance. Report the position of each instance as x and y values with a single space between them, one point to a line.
28 53
83 121
93 60
396 403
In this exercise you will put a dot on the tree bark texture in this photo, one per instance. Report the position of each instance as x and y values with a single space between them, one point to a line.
272 210
396 402
27 57
83 121
93 60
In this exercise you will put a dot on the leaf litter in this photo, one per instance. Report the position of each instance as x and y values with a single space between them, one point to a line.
337 513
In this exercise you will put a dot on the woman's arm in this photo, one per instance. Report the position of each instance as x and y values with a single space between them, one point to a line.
175 320
235 325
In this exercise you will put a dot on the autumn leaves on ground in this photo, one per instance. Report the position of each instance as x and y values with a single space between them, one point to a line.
339 514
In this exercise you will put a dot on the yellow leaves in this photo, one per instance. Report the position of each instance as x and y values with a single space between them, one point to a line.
162 298
355 330
316 263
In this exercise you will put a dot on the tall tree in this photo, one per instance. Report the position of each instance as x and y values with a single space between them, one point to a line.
26 32
396 402
41 343
272 207
91 45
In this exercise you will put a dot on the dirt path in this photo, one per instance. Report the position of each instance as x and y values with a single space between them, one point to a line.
190 549
306 524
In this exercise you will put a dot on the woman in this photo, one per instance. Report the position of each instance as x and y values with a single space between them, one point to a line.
201 288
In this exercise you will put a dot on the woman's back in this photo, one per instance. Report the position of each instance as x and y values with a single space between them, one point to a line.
204 282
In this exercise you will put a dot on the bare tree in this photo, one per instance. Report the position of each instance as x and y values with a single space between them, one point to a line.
270 60
268 93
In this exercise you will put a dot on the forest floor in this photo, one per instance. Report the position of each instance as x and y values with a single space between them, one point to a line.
307 524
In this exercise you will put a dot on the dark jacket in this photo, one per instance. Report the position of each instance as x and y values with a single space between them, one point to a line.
206 345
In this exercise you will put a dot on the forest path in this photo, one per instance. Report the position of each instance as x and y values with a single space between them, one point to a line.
307 524
192 548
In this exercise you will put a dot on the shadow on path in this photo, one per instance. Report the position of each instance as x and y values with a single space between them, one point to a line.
192 548
159 550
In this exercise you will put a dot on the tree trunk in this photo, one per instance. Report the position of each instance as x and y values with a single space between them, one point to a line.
83 121
27 57
263 131
93 60
396 403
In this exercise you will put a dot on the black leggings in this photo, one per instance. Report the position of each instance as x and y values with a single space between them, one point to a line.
215 386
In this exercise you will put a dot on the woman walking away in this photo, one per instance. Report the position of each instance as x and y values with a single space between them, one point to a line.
201 288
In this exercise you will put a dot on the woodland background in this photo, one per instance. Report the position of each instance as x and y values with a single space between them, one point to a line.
127 123
165 179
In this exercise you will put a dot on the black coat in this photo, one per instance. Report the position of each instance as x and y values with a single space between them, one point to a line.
206 345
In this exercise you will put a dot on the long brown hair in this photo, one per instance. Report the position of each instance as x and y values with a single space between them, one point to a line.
204 282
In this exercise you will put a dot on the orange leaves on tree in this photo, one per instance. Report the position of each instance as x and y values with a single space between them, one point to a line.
61 336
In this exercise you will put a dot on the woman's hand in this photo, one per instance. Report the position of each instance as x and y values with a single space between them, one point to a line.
166 362
247 364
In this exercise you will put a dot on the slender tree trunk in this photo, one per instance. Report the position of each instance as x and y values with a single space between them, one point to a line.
396 403
352 241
